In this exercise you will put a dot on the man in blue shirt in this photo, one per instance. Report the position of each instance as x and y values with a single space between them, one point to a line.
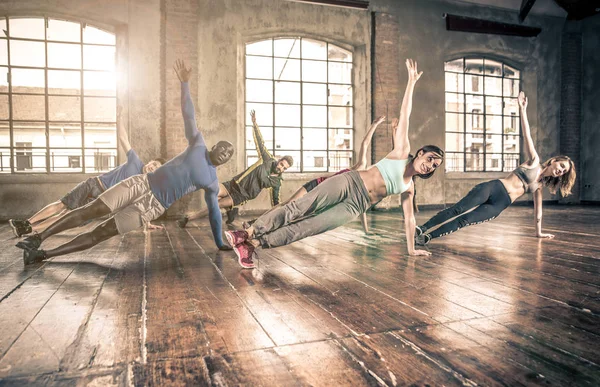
142 198
89 189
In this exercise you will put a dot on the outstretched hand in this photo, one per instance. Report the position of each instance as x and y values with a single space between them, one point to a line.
522 100
379 120
253 116
183 73
413 73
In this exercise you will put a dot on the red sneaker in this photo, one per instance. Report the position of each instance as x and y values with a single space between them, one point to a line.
245 253
236 237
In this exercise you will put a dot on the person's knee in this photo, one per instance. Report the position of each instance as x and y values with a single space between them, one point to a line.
104 231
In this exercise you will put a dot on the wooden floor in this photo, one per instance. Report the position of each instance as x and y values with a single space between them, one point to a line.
493 305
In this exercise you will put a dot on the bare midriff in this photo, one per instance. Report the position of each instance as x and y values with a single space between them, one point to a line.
374 183
514 186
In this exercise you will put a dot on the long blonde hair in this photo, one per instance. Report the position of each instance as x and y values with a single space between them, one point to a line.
563 183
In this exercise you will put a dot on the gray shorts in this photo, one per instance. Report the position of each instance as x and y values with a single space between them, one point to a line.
132 203
83 193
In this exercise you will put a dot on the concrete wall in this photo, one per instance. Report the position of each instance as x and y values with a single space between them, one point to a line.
590 128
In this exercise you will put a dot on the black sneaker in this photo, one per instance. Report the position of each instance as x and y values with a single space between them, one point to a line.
419 231
231 214
422 239
20 227
33 256
182 222
30 243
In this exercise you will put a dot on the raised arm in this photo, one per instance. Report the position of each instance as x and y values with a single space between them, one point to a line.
362 154
401 142
122 136
214 213
407 198
187 106
529 148
537 209
263 153
275 195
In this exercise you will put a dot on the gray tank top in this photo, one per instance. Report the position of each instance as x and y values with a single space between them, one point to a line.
528 177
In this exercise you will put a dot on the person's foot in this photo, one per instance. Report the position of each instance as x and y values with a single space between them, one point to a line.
33 256
30 243
422 239
245 253
182 222
20 227
236 237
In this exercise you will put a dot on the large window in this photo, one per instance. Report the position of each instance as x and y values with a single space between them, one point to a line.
57 96
482 115
301 90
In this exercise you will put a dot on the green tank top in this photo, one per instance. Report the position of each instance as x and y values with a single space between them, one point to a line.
393 175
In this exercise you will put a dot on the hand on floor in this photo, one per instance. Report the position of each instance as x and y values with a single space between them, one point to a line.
420 252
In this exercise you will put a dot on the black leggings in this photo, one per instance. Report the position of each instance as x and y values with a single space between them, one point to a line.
490 198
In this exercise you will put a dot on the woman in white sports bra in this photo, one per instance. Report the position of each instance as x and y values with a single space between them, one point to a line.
492 197
342 198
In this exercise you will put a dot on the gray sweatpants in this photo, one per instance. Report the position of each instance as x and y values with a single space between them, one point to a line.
332 203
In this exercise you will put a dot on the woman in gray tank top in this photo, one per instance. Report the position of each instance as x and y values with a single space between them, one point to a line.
489 199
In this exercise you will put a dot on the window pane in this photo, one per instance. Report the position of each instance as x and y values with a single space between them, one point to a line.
64 108
314 139
264 113
287 138
264 47
455 122
100 160
97 36
63 31
314 116
287 92
64 82
474 162
454 162
100 135
3 52
474 123
493 86
99 109
65 56
313 71
4 107
511 124
286 69
493 143
4 160
511 87
455 102
511 161
259 91
99 83
474 66
99 58
511 72
315 161
295 156
287 48
456 65
314 93
511 106
27 28
512 144
473 84
340 73
338 54
340 160
287 115
29 107
493 124
32 54
474 103
65 135
267 134
493 162
4 134
258 67
493 105
3 79
251 157
454 82
340 95
340 139
28 159
493 68
2 25
65 160
455 142
340 117
313 49
28 81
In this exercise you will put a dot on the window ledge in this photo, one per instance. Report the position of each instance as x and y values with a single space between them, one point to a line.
475 175
43 178
305 175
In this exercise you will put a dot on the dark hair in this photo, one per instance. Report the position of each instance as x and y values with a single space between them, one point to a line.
160 160
427 148
226 144
563 183
289 160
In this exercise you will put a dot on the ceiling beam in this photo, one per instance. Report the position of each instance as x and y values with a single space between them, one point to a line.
469 24
525 8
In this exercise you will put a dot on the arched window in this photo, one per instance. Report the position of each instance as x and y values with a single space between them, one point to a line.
301 90
482 115
57 96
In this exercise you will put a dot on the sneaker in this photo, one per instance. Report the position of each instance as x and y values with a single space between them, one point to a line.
418 231
20 227
30 243
236 237
231 214
245 253
182 222
33 256
422 239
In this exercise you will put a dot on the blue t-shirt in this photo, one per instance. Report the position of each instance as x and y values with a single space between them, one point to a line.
189 171
132 167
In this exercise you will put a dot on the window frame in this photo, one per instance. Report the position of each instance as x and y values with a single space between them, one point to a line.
89 152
